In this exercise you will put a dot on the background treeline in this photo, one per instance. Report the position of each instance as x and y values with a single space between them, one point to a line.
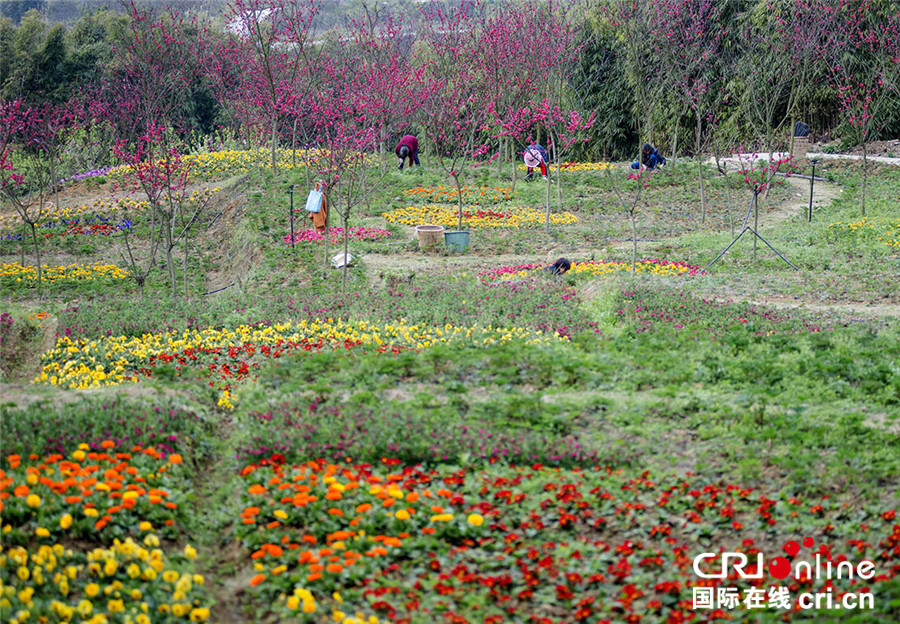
623 72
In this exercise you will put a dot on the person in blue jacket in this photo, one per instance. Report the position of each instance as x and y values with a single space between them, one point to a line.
650 158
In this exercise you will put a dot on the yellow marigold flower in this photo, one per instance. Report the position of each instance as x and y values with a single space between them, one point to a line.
199 614
170 576
445 517
66 521
91 590
402 515
190 552
85 608
42 532
475 519
33 500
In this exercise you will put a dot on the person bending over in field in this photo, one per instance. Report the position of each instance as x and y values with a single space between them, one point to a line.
535 156
408 147
559 267
650 158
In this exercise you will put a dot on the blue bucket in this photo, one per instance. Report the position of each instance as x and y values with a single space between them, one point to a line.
456 241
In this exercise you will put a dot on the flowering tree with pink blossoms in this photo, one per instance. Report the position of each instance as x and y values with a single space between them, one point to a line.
455 108
565 129
864 64
688 38
28 150
274 49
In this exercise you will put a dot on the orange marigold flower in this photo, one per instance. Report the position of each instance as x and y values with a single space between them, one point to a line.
274 549
256 488
334 511
334 568
107 444
175 458
22 490
363 508
256 580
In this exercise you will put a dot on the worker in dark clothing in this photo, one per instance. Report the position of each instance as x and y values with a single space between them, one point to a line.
559 267
650 158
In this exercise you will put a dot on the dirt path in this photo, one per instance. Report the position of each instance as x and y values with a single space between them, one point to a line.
433 263
798 202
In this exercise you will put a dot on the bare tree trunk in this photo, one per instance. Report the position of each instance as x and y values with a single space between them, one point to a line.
702 190
185 267
294 144
697 146
274 133
755 225
346 248
170 266
633 241
865 177
547 212
459 201
37 252
327 227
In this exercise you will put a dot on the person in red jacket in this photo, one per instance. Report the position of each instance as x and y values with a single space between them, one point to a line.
408 147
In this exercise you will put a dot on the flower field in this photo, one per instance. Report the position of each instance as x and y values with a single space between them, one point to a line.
474 195
336 235
594 269
228 357
576 166
434 437
14 272
886 231
204 419
511 543
116 496
88 226
475 217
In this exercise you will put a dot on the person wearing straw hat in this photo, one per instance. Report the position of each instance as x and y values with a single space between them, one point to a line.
535 156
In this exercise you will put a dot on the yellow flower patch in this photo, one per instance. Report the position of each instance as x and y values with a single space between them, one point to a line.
15 272
476 217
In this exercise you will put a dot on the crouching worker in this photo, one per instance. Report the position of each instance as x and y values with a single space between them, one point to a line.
650 158
559 267
535 156
408 147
